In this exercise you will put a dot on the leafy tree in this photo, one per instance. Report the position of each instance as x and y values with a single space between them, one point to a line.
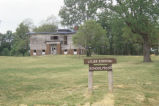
51 20
141 17
21 31
90 35
46 28
5 52
29 22
6 41
21 40
47 25
75 12
113 27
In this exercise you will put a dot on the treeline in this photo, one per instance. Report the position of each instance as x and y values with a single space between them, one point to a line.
96 40
116 42
132 26
17 43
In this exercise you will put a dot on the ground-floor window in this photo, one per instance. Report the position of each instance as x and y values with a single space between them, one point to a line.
43 52
65 51
75 51
34 52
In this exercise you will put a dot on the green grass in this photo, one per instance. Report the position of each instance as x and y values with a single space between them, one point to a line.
60 80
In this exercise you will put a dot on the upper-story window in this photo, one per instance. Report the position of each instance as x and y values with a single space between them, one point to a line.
65 40
54 37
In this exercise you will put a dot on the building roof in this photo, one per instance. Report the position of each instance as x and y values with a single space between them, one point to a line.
58 32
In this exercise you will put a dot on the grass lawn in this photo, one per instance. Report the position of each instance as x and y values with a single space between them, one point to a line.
62 80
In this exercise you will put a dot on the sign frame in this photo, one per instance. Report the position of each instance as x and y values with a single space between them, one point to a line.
100 64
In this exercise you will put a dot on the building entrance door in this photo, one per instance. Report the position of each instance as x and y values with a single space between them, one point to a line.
53 49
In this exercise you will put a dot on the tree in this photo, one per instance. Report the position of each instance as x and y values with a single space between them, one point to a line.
46 28
141 16
48 25
75 12
51 20
5 52
21 40
29 22
6 41
21 31
90 35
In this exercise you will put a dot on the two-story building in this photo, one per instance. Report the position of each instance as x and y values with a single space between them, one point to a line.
60 42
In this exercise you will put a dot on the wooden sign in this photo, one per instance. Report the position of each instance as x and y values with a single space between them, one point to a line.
93 66
100 61
100 67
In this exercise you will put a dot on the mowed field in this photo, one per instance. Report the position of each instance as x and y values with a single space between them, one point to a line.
63 81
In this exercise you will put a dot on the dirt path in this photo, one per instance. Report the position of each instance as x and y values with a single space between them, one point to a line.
107 101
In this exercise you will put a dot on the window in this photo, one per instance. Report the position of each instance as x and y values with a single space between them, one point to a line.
34 52
65 40
43 52
54 37
65 51
75 51
61 42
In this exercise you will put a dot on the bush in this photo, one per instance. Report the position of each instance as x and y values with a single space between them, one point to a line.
5 52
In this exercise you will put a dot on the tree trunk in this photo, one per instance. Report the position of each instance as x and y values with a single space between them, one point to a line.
146 49
88 52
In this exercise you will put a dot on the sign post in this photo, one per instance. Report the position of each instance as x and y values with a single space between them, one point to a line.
90 80
110 81
94 66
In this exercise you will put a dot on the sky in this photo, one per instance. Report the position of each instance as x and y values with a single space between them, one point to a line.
13 12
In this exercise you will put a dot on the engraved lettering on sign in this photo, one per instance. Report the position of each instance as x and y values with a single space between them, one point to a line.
100 68
100 61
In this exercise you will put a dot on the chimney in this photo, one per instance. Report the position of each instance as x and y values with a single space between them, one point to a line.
76 27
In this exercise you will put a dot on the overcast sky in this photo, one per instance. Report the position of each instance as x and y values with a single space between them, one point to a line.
12 12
